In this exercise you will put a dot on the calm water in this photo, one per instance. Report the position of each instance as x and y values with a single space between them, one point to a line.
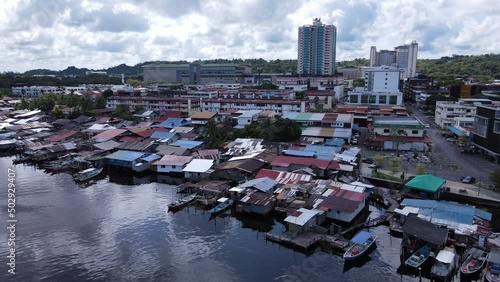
116 232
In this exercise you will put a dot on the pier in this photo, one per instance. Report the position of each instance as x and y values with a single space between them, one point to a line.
309 239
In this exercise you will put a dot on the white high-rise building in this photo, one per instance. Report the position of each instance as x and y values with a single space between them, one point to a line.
404 57
316 48
382 79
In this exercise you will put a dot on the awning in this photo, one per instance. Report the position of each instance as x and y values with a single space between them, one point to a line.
456 131
361 237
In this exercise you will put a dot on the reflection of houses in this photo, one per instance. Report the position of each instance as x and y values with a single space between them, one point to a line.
414 138
426 186
136 161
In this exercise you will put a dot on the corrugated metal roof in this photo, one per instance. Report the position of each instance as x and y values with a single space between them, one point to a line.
107 146
188 144
108 135
301 216
162 135
174 122
174 160
299 153
125 155
199 165
426 182
286 161
62 135
203 115
284 177
257 198
263 184
151 158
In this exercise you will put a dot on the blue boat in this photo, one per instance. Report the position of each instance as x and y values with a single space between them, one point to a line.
224 204
360 244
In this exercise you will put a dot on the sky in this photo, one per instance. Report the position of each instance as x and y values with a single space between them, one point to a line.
55 34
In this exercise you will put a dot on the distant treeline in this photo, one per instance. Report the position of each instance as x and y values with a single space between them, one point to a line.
446 70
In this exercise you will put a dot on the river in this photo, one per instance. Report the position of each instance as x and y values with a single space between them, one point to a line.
117 232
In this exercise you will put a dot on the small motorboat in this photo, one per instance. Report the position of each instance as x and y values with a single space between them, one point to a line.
224 203
475 260
491 272
359 245
181 203
87 174
419 257
445 265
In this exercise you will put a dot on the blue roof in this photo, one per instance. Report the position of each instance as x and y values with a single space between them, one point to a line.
337 142
455 130
361 237
174 122
187 144
322 152
449 211
163 135
125 155
150 158
299 153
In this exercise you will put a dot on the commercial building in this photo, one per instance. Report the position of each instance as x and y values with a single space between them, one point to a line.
380 134
447 113
381 87
198 73
486 132
404 57
317 48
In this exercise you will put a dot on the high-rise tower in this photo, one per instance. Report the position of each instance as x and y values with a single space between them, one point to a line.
317 44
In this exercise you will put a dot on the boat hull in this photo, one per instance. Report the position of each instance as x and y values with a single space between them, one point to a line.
365 248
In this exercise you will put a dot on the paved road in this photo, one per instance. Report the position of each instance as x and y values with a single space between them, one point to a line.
447 160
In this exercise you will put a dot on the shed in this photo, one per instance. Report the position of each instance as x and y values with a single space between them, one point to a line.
427 183
301 220
264 184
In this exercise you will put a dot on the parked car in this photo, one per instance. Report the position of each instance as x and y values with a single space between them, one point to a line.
367 160
451 139
467 179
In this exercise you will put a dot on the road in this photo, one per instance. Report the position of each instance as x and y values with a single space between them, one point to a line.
447 160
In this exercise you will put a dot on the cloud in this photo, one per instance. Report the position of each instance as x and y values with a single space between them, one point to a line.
98 34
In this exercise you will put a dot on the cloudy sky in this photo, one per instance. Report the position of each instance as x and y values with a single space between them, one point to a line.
55 34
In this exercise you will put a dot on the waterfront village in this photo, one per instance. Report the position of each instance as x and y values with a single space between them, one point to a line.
314 184
291 146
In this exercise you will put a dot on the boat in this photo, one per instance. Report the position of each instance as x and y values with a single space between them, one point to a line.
419 257
224 203
475 260
181 203
87 174
445 265
359 245
491 272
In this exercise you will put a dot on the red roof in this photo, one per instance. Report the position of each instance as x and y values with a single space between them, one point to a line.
173 114
341 200
148 132
283 177
109 134
62 135
286 161
258 199
334 165
298 148
130 138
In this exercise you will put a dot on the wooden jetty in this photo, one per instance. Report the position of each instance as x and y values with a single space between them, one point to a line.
307 240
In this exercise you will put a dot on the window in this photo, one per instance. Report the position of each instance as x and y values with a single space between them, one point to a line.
364 99
481 126
414 132
162 166
496 127
387 131
382 99
353 99
393 100
497 114
373 99
174 166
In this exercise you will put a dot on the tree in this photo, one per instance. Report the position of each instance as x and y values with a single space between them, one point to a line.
397 135
57 113
123 111
280 130
495 177
100 102
212 135
107 93
379 160
139 109
420 169
394 165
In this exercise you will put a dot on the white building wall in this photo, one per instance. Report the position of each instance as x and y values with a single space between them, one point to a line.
169 168
344 216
